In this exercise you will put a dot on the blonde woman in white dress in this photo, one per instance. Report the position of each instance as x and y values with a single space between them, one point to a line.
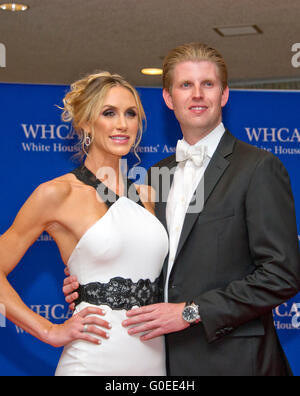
107 234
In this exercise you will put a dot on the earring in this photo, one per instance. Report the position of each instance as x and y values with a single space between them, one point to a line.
87 140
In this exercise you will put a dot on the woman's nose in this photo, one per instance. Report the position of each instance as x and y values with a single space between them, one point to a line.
122 123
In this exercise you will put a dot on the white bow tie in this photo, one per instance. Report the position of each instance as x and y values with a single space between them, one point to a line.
195 153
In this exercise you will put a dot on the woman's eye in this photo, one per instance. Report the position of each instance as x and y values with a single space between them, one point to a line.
108 113
186 84
131 113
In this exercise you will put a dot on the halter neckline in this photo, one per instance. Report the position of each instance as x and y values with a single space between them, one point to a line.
109 197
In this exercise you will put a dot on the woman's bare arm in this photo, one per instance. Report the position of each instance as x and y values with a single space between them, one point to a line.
35 217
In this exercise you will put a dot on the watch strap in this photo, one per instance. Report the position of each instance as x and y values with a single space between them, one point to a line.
189 303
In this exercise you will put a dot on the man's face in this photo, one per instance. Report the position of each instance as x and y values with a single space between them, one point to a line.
197 98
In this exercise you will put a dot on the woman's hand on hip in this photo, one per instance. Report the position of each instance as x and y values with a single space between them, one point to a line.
82 326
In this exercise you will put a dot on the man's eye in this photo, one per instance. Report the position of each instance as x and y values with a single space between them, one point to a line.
186 84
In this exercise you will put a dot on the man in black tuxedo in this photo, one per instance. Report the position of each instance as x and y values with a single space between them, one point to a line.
235 258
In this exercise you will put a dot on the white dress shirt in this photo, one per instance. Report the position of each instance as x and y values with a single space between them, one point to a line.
186 180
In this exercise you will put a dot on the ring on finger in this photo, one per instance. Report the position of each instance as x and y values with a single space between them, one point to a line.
85 328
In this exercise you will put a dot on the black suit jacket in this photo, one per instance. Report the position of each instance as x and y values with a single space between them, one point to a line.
237 259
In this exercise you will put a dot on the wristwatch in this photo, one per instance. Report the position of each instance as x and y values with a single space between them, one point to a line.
191 313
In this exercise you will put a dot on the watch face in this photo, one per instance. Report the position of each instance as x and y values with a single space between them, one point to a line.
189 314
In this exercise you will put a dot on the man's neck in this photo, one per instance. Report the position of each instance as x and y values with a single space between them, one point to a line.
193 137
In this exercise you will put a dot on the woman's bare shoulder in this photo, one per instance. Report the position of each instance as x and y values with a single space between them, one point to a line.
55 191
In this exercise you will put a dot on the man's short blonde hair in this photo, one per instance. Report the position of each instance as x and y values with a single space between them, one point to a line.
195 52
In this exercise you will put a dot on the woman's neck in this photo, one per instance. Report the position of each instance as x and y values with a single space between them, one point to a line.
108 170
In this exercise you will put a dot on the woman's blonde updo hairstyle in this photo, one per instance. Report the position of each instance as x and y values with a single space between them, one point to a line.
82 105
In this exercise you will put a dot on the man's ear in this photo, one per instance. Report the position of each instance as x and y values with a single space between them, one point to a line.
225 97
168 99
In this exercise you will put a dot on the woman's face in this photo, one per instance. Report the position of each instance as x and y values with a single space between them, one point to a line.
117 125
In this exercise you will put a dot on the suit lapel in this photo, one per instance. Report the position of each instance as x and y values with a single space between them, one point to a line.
160 211
215 170
164 189
161 204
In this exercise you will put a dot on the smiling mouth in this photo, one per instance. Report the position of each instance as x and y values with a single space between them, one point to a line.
198 108
120 139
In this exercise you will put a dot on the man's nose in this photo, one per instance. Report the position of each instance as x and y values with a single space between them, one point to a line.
198 91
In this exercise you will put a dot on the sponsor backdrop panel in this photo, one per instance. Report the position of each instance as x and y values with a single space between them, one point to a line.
37 146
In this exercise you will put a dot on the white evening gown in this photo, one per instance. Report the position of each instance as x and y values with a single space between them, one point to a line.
124 251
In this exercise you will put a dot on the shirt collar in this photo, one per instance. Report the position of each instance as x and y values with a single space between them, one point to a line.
212 140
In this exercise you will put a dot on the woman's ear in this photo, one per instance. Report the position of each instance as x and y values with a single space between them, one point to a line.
86 127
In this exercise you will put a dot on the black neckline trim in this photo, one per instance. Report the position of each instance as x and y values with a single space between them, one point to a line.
108 196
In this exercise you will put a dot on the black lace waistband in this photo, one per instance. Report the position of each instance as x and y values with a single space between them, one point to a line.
121 293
